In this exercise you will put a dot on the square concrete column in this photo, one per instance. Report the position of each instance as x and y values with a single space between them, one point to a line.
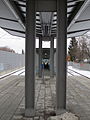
52 57
61 56
40 56
30 58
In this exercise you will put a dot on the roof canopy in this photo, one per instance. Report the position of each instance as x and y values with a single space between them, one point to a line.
13 13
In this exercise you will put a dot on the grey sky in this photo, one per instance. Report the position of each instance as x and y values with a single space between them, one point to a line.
18 43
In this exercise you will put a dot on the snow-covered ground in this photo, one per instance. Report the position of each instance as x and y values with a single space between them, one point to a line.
15 72
19 72
70 73
23 74
83 72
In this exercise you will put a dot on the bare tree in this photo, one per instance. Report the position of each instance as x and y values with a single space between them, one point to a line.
84 49
79 49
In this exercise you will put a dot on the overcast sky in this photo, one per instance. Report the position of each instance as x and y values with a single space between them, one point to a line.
18 43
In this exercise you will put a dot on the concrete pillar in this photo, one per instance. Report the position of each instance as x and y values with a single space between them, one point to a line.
61 56
40 56
52 57
30 58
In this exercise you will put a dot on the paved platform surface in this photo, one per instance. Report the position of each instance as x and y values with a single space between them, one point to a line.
12 98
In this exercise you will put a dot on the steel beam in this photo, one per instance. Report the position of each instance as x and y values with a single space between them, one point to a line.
30 58
52 57
40 56
79 12
61 56
45 5
15 11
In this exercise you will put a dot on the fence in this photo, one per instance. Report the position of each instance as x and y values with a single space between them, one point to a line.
9 61
81 66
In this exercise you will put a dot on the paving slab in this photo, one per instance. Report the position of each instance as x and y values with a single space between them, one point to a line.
12 98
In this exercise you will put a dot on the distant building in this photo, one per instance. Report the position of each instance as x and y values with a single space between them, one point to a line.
7 49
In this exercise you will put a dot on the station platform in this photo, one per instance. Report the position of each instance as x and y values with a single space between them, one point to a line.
12 91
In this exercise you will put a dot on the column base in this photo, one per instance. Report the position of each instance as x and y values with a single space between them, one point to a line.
60 111
40 76
52 76
29 112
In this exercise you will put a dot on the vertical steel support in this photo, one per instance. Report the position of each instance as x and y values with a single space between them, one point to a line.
52 57
30 58
40 56
61 56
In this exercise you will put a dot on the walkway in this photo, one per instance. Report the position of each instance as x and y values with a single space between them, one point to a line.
12 98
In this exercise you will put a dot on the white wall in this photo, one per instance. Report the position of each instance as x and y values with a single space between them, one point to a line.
10 60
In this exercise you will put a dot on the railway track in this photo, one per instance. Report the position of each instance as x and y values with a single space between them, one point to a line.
21 71
73 73
16 72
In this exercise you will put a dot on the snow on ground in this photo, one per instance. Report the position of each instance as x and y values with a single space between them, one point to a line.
17 73
70 73
83 72
23 74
